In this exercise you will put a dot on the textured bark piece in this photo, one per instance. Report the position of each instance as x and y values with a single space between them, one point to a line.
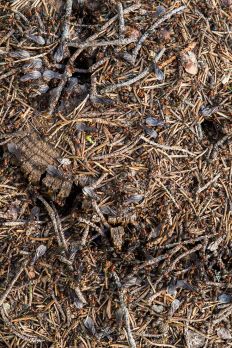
38 161
117 234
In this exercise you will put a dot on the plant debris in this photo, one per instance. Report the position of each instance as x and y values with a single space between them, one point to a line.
115 167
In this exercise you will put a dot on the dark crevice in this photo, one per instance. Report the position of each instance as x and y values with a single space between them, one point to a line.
42 177
74 200
1 153
212 130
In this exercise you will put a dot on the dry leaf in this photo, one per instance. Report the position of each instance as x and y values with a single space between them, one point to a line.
190 63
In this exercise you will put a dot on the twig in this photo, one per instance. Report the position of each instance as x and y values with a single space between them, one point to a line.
125 311
7 36
80 295
165 147
8 290
132 58
188 252
68 13
93 44
98 211
173 264
121 20
56 223
212 155
184 242
68 69
99 181
135 79
59 55
54 99
93 89
97 64
84 236
222 315
152 262
58 305
9 73
101 32
91 224
208 184
28 338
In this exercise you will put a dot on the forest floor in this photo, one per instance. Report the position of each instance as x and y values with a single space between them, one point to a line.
115 174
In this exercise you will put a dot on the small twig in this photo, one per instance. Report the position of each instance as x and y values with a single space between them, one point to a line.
93 89
125 149
98 211
59 55
99 181
28 338
9 73
184 242
101 32
56 223
58 305
212 155
208 184
80 295
222 315
98 64
68 13
91 224
84 236
69 66
7 36
154 261
55 98
188 252
132 58
166 147
10 286
93 44
173 264
125 311
121 20
135 79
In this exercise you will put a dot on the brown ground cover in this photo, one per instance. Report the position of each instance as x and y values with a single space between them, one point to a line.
115 173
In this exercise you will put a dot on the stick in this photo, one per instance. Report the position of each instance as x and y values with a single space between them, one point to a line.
8 290
68 13
69 66
166 147
121 20
208 184
93 225
132 58
222 315
93 44
84 236
103 29
173 264
98 211
212 155
59 55
130 337
56 223
135 79
28 338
